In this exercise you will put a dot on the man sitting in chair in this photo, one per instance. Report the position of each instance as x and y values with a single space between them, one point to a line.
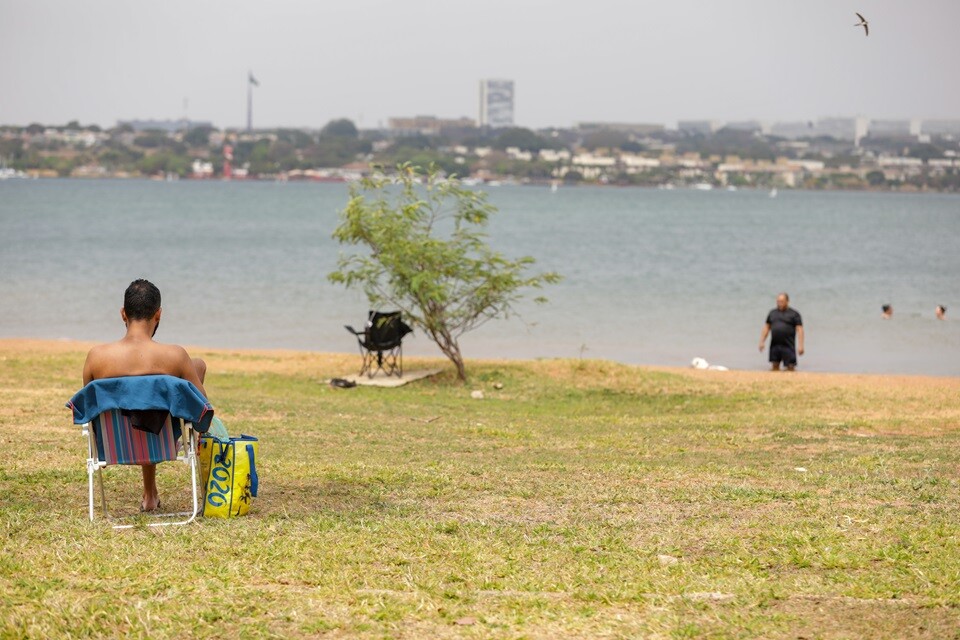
136 354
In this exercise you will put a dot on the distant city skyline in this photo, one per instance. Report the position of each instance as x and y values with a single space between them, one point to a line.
842 127
370 60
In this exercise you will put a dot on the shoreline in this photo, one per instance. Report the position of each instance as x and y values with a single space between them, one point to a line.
295 360
504 181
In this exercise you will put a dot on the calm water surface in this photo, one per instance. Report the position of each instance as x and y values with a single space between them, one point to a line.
651 277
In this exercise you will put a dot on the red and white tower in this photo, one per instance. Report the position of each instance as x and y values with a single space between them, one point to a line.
227 161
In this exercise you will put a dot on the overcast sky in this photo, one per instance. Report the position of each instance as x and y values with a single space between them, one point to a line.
367 60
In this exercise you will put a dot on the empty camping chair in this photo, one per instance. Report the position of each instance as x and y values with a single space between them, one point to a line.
381 343
139 420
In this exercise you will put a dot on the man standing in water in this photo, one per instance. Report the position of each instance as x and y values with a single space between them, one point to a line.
787 340
136 354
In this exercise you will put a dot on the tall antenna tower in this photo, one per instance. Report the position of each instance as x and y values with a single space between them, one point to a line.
251 83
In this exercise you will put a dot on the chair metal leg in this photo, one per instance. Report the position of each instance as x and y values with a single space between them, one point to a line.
192 458
90 486
93 465
393 362
366 364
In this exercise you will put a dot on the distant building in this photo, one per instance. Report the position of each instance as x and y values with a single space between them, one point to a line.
860 129
496 103
633 163
941 127
894 128
639 129
170 126
429 126
553 155
516 153
836 128
74 137
843 128
705 127
201 168
751 126
793 130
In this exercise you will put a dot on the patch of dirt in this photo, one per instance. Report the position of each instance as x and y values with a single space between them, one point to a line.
838 617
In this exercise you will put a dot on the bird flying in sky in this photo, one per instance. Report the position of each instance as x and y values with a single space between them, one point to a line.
863 23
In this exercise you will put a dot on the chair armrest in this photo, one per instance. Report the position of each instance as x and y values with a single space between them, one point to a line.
352 330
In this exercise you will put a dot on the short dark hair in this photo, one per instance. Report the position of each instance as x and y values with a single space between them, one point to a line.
885 308
141 300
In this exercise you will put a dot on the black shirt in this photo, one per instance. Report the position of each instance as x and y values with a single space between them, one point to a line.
783 326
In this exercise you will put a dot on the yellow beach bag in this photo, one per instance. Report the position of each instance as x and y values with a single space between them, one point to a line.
216 433
229 470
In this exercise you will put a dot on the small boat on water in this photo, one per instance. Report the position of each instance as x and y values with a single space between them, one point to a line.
7 173
773 192
703 186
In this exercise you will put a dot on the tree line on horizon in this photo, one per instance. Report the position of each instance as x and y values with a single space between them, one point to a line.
122 150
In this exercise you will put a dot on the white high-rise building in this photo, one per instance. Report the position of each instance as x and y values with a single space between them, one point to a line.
496 103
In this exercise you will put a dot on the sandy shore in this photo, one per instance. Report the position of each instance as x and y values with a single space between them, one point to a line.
292 361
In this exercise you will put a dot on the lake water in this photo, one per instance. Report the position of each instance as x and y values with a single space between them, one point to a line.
650 276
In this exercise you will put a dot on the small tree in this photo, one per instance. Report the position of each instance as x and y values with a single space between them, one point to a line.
341 128
428 255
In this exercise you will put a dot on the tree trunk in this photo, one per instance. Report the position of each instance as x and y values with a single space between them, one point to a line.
448 345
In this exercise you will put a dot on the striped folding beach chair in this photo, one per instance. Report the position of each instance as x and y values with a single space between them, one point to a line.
141 420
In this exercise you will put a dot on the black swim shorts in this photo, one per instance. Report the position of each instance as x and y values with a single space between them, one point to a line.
783 353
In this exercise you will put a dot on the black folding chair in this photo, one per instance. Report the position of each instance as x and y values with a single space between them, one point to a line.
381 343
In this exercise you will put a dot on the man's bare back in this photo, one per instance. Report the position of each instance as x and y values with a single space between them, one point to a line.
136 355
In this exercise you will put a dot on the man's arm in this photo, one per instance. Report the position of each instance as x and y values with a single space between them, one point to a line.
799 339
88 367
189 372
763 335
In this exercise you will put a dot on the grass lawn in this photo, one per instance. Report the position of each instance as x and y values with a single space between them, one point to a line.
581 499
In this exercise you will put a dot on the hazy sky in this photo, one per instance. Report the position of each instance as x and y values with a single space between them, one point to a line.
626 61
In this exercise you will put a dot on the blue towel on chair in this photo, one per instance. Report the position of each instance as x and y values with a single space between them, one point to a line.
138 393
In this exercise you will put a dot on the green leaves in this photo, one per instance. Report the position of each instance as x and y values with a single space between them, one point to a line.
426 254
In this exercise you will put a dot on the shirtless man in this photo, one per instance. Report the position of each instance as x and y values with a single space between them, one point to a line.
136 354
